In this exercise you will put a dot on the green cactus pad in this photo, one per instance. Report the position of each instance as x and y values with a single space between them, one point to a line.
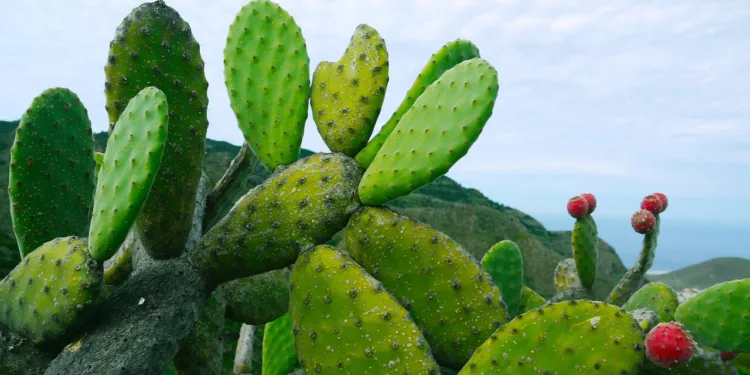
718 316
98 158
566 275
447 57
585 240
267 76
505 264
346 323
52 168
202 351
130 165
647 319
257 299
298 207
530 300
434 134
704 362
347 95
581 337
49 294
632 279
446 291
119 267
279 353
656 296
154 46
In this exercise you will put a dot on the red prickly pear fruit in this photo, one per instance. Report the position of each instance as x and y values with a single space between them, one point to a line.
578 207
643 221
663 199
653 204
670 345
591 200
728 356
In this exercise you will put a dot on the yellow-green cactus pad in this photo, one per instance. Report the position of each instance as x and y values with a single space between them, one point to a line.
279 353
267 76
566 275
572 337
98 158
447 57
585 239
52 168
434 134
48 295
719 317
530 300
657 297
347 95
131 163
505 264
345 322
446 290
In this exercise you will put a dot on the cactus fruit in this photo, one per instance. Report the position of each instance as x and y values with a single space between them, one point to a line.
279 353
728 356
718 316
578 207
434 134
669 345
154 46
257 299
52 168
704 362
267 76
345 322
653 204
633 277
585 239
131 163
582 337
656 296
446 291
530 300
347 95
49 294
590 202
647 319
663 199
566 275
643 221
296 208
447 57
505 264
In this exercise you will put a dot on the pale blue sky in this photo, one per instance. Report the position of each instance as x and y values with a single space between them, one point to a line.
621 99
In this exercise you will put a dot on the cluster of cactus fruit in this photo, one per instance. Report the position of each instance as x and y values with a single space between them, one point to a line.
129 250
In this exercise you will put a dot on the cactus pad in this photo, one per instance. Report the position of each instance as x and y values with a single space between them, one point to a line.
566 275
98 158
345 322
434 134
505 264
656 296
446 291
446 58
130 165
52 170
47 296
586 250
718 316
267 76
647 319
154 46
530 300
580 337
347 95
243 297
279 353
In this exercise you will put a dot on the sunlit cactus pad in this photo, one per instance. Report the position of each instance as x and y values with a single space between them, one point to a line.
345 322
530 300
130 165
49 293
267 76
566 275
52 170
656 296
279 353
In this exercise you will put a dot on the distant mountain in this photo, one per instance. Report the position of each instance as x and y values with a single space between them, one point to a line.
706 274
466 215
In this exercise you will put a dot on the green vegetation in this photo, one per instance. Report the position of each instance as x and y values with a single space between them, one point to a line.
706 274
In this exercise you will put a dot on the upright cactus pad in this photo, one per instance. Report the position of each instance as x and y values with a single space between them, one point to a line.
658 297
98 158
131 163
585 240
52 170
718 316
566 275
434 134
581 337
347 95
257 299
345 322
298 207
155 47
279 353
267 76
447 57
530 300
446 291
505 264
47 296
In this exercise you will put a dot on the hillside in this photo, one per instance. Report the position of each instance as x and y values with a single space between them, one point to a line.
706 274
466 215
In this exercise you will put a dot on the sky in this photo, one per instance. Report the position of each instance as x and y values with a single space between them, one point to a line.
620 98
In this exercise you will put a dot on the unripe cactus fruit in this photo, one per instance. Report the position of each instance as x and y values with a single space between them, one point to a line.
578 207
669 345
643 221
591 201
653 204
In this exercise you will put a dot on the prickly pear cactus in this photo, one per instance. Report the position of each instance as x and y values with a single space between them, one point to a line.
154 46
267 76
201 351
530 300
52 169
566 275
446 291
505 264
279 353
257 299
656 296
49 295
585 240
346 322
646 318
